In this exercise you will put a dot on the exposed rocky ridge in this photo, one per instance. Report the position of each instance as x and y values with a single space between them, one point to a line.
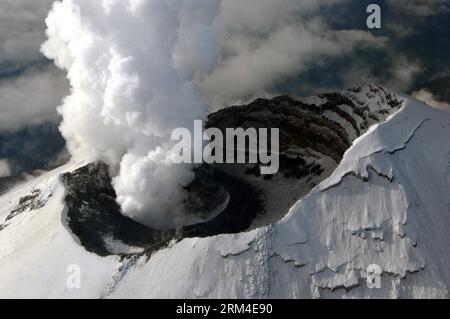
315 132
31 202
314 135
327 124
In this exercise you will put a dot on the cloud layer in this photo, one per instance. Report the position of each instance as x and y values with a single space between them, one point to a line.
421 8
428 97
31 98
264 42
266 47
22 25
30 87
5 169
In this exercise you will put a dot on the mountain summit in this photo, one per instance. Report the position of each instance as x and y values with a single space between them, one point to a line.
364 182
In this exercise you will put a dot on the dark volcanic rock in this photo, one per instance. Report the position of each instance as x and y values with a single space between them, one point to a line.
29 203
95 218
306 126
314 133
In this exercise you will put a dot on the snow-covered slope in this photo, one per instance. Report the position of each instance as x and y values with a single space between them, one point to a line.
387 203
315 132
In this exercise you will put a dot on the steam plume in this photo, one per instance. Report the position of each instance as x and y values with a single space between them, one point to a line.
132 65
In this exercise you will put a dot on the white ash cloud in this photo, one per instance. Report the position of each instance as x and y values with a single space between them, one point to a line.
131 66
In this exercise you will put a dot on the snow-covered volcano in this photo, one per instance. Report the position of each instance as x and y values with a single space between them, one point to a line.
365 180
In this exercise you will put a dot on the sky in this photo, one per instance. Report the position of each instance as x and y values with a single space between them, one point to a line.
265 48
